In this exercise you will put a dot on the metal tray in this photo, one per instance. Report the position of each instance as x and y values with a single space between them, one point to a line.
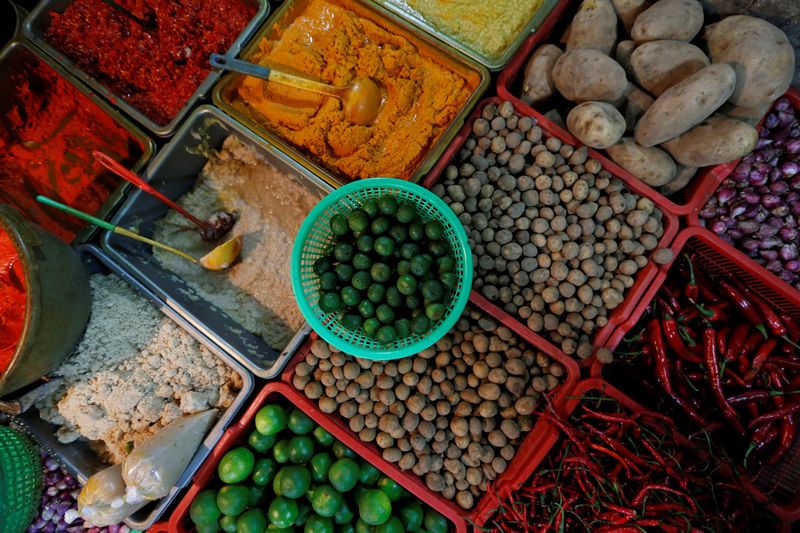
174 172
37 22
148 146
80 461
493 63
427 45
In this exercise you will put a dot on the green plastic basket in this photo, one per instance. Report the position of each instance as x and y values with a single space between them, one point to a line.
20 481
315 238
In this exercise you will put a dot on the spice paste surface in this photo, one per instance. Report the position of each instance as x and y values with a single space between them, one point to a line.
12 300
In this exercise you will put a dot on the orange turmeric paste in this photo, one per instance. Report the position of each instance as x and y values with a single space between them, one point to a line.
335 45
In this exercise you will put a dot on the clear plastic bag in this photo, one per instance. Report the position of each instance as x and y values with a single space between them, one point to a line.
101 501
153 467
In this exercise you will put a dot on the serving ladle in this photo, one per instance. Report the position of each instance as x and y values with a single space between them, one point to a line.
361 99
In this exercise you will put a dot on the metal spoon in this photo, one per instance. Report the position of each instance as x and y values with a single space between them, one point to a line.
219 258
217 225
362 99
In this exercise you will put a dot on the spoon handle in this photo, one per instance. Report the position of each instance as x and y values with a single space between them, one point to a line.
250 69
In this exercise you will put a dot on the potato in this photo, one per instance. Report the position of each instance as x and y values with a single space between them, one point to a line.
596 124
623 55
683 105
537 85
585 75
751 115
678 20
658 65
651 165
760 54
714 141
637 102
594 26
628 10
683 175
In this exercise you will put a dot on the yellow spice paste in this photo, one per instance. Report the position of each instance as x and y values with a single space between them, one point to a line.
336 45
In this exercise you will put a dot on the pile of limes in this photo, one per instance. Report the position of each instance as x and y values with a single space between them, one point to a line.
387 272
294 476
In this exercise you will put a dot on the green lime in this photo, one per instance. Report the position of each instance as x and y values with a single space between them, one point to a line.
393 525
420 264
420 324
411 515
367 309
361 280
320 464
281 451
387 204
376 292
384 313
212 527
303 512
365 243
399 233
393 297
322 436
435 312
370 207
236 465
276 483
416 231
352 322
407 284
256 497
408 250
361 261
260 442
344 272
403 267
368 474
380 225
384 246
386 334
350 296
251 521
344 474
438 248
392 489
343 251
405 213
432 290
449 280
344 514
413 301
374 507
434 230
446 264
264 471
232 499
434 522
322 265
340 450
228 523
330 302
371 326
300 423
380 272
294 481
326 500
328 281
363 527
282 512
338 224
403 328
204 508
318 524
272 528
358 220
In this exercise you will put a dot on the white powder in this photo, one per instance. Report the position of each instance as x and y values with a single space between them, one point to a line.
133 372
270 204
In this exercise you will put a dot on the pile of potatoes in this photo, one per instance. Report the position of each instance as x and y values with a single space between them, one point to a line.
659 105
454 414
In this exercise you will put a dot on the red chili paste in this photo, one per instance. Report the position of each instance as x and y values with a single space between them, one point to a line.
47 136
12 300
155 70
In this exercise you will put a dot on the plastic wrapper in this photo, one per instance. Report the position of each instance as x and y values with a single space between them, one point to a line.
153 467
101 502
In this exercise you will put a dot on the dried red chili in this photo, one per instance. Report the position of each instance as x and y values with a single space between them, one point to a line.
12 300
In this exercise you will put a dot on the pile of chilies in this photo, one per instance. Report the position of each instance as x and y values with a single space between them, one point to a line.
621 470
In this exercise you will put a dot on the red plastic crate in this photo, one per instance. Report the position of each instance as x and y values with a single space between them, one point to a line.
159 527
519 469
180 522
691 198
714 255
644 277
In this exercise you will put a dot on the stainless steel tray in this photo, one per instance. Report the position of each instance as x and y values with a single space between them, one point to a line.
173 172
79 460
15 47
39 19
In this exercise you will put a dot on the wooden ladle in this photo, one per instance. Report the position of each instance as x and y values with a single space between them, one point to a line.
361 100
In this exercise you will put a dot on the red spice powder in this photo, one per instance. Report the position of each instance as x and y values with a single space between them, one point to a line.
47 134
156 71
12 300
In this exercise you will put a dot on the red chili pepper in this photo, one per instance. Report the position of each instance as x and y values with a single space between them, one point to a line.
688 314
785 362
763 352
672 335
692 290
722 339
736 342
668 300
738 299
769 315
777 379
792 328
712 368
784 412
659 355
639 498
714 312
762 437
759 394
788 430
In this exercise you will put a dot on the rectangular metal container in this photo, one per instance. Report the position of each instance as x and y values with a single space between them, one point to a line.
80 461
7 55
173 172
37 22
493 63
428 45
